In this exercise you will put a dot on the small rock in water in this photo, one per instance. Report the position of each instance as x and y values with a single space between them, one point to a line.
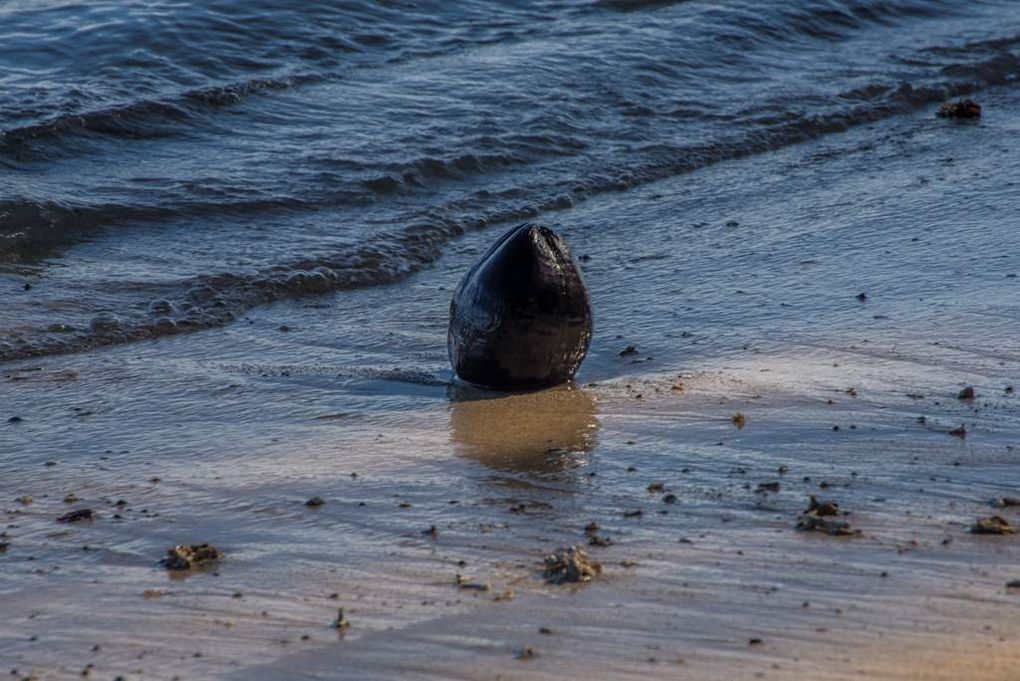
966 394
862 296
105 321
15 419
764 487
961 109
656 487
992 525
570 564
76 516
1003 502
739 420
315 502
1015 584
187 556
628 351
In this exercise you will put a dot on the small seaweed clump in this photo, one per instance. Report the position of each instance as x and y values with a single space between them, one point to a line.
818 518
992 525
341 623
187 556
570 564
961 108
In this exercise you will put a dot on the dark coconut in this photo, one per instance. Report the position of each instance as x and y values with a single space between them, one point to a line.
521 317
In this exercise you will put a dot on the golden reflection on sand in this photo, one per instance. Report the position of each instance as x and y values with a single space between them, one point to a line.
537 432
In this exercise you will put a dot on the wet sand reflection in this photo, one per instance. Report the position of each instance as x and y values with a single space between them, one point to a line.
536 433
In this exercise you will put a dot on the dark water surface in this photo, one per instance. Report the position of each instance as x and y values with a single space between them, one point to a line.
165 166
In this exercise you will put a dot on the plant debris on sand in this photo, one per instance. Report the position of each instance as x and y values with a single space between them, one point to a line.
76 516
187 556
341 623
818 518
992 525
835 528
570 564
822 508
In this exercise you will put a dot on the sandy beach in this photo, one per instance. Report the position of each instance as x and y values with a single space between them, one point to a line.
221 436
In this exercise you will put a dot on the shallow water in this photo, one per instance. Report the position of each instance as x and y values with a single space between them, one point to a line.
243 423
735 175
209 153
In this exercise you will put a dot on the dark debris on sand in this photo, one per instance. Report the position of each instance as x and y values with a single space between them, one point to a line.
819 517
992 525
187 556
570 564
77 516
834 528
341 623
822 507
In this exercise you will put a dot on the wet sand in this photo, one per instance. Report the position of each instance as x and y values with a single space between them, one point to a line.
222 436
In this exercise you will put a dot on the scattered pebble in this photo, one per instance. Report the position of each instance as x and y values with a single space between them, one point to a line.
966 394
526 653
656 487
